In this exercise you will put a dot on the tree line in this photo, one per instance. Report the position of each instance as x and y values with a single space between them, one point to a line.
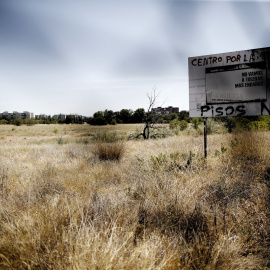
127 116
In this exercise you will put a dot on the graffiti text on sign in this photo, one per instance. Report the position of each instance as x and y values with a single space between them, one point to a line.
264 108
206 61
238 110
229 59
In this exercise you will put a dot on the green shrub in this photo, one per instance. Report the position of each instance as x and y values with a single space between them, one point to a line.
174 123
17 122
196 121
60 140
114 122
230 124
212 126
242 123
29 122
264 118
183 124
258 126
3 122
108 137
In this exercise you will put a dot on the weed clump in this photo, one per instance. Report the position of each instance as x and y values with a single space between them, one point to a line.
108 146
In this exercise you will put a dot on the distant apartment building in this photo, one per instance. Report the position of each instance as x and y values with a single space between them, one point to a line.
6 115
71 118
41 117
16 115
74 116
59 117
27 115
168 110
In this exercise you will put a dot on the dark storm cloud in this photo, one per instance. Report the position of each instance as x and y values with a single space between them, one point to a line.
183 27
19 30
22 38
253 21
178 27
146 62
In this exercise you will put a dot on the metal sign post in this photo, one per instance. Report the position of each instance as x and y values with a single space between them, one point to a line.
205 136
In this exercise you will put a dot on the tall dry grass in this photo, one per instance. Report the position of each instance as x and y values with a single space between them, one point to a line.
160 206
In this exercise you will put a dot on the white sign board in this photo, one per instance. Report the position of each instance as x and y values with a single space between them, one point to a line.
230 84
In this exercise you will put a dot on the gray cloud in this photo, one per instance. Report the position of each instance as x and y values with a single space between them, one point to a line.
74 50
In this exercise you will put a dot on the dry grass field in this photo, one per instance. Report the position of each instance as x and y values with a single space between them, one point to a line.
70 199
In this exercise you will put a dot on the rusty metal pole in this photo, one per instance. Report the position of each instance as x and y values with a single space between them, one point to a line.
205 136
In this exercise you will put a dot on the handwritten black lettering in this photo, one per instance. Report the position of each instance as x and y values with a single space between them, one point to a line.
234 58
264 107
229 110
206 61
241 110
219 111
204 109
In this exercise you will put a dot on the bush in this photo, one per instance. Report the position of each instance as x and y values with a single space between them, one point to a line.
258 125
29 122
174 123
3 122
114 122
230 124
108 146
196 121
183 124
108 137
17 122
109 151
242 123
212 126
60 140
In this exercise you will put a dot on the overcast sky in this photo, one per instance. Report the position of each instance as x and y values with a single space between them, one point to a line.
82 56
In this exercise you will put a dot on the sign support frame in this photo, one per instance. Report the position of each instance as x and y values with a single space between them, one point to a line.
205 136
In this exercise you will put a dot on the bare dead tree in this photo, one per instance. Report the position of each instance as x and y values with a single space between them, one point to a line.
150 118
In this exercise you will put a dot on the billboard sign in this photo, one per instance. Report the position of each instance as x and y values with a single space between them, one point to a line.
230 84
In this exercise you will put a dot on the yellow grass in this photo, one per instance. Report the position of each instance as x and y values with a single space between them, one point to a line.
61 207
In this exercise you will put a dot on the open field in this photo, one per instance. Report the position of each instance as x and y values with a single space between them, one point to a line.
159 205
